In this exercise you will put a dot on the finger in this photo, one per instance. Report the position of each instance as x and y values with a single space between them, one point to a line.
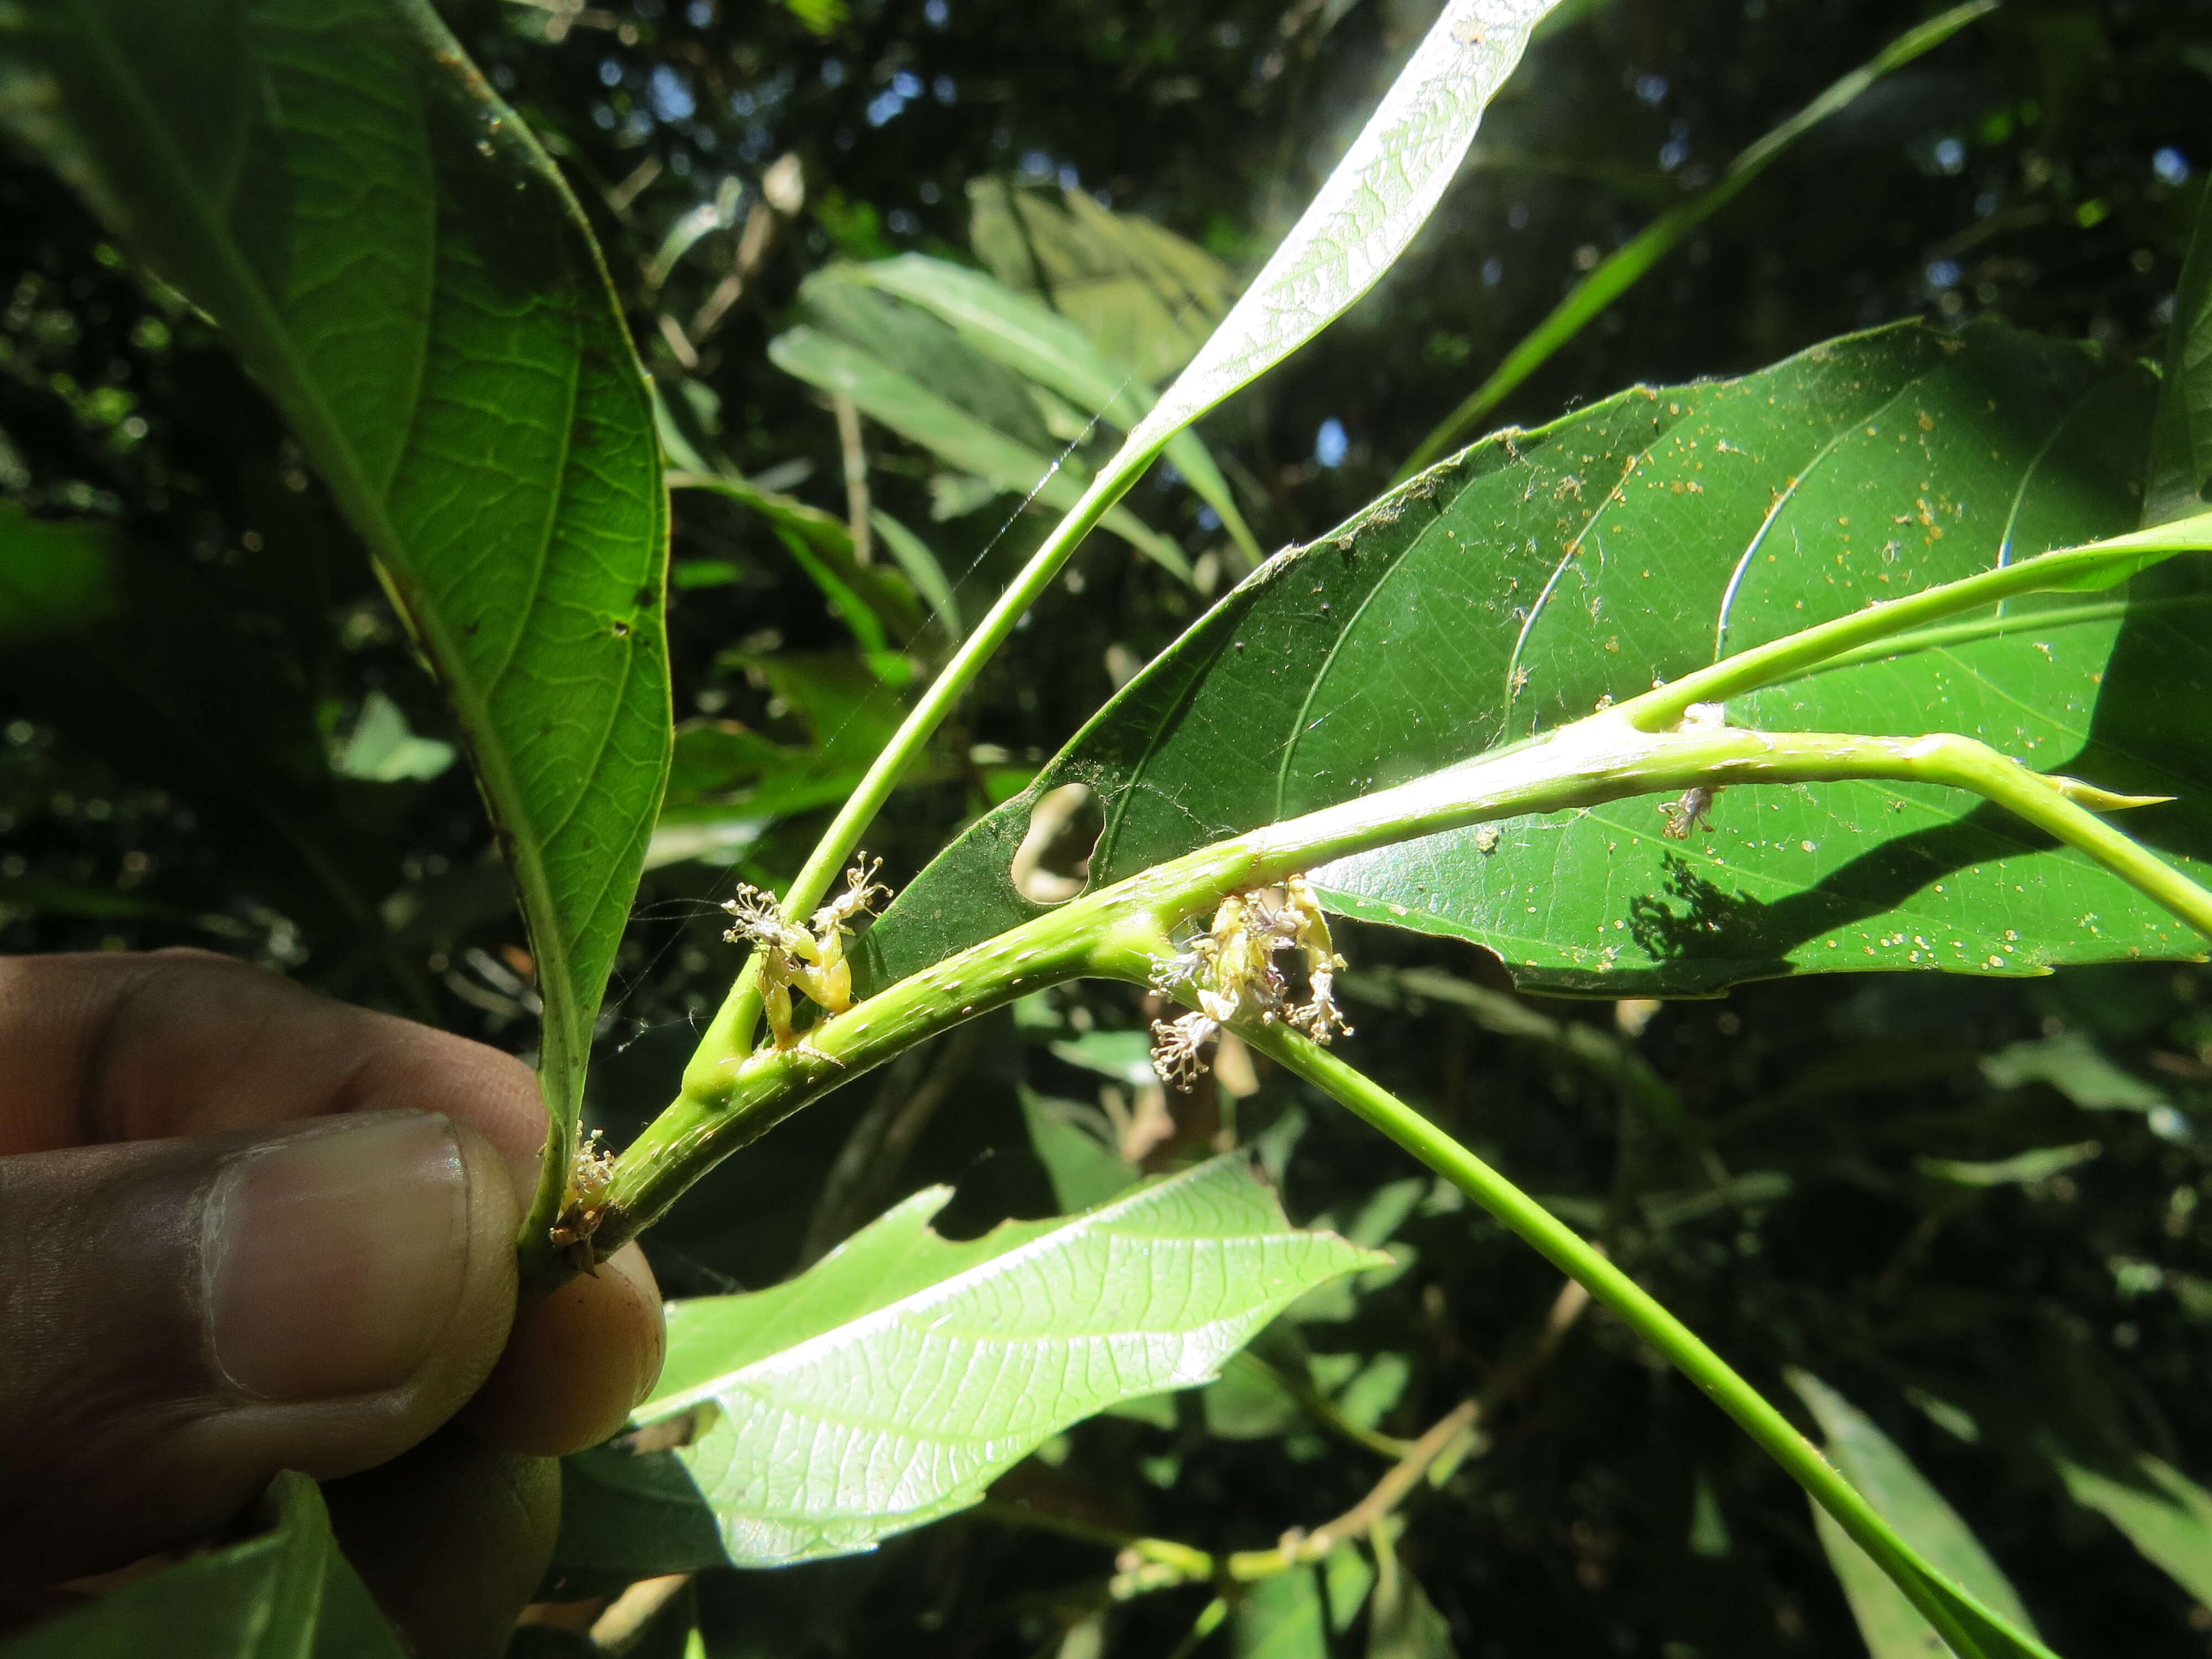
452 1538
111 1047
183 1318
576 1362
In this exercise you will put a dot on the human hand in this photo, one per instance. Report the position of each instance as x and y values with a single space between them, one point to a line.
243 1229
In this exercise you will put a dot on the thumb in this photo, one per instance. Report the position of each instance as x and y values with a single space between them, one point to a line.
181 1319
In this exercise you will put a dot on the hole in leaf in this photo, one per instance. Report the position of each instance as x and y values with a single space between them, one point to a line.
1052 864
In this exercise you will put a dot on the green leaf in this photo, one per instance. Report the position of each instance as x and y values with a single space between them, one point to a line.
1074 1142
892 1381
2180 482
403 269
287 1594
1512 590
2039 1163
2074 1066
1404 1624
923 567
821 544
2165 1514
1039 342
383 750
1870 1461
1625 265
1367 210
627 1516
913 393
1294 1614
1141 294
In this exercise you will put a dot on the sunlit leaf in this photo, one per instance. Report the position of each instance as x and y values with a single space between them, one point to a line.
382 749
1521 585
1381 192
888 1384
403 269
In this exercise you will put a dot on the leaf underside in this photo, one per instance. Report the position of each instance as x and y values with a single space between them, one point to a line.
404 272
890 1384
1509 590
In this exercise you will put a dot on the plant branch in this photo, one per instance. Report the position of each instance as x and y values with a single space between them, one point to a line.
733 1094
739 1017
2099 565
1637 1309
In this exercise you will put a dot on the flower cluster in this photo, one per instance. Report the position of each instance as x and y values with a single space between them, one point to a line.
1229 970
584 1203
810 958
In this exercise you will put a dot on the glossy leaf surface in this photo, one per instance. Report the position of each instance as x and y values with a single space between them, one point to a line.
1518 586
287 1594
405 273
888 1384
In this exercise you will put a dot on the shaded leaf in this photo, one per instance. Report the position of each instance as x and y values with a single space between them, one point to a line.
913 390
888 1384
1871 1461
2180 482
1141 294
140 660
1074 1144
1294 1614
1402 1622
403 269
1508 591
2073 1065
1033 340
627 1516
1625 265
2038 1164
287 1594
2165 1514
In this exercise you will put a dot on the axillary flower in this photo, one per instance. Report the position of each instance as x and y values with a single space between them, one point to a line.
1229 970
810 958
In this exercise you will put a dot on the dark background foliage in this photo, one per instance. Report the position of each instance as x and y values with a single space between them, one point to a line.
172 786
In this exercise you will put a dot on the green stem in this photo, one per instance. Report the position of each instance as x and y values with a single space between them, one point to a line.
2100 565
739 1017
731 1095
1636 1308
